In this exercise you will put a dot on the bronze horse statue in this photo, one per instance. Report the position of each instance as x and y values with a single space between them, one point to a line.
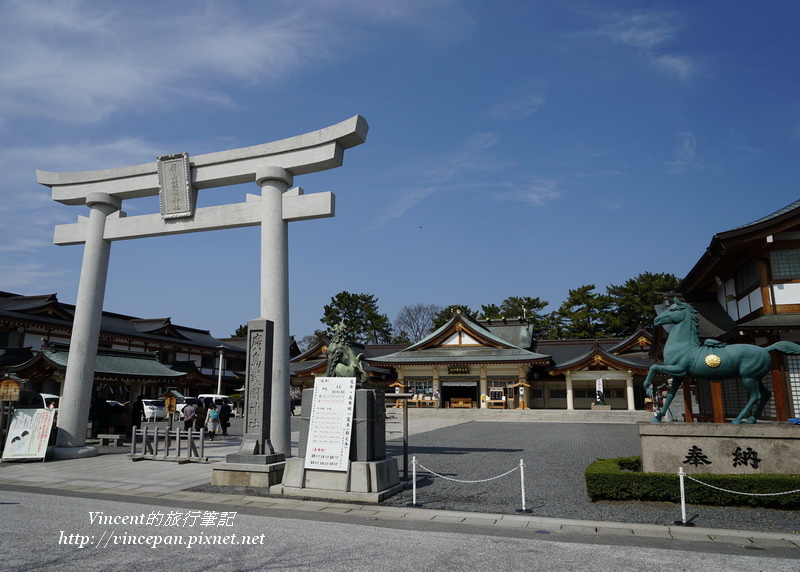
342 360
685 356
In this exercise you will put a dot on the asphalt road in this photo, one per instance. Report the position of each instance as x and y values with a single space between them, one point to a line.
65 533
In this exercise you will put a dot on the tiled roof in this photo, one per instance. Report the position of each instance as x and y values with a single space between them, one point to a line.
787 209
113 362
17 308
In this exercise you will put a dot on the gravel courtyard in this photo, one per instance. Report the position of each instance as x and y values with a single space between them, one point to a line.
555 456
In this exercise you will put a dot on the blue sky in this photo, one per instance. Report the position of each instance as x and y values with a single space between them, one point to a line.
515 148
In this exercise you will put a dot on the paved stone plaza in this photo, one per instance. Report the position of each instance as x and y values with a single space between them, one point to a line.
462 447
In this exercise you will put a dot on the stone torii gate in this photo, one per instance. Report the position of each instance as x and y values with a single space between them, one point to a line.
177 179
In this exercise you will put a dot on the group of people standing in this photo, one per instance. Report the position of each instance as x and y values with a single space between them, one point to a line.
209 416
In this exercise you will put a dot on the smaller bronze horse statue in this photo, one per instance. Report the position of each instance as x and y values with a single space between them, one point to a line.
684 356
342 360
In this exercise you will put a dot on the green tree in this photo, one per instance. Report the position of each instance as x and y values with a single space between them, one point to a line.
491 311
241 332
633 302
359 312
446 313
582 315
520 307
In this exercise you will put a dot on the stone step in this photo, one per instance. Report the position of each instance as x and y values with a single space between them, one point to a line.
529 415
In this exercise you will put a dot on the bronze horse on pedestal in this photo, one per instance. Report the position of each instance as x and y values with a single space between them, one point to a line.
343 361
685 356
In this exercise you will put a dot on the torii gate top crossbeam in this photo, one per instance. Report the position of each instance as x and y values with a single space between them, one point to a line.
309 153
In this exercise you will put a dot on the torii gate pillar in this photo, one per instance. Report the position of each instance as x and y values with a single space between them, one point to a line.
274 182
177 179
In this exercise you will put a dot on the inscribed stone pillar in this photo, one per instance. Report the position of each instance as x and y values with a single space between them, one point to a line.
256 446
274 182
74 404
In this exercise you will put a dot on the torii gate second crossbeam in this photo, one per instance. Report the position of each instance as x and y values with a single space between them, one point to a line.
177 179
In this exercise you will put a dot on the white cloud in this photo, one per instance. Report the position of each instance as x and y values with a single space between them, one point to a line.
686 156
740 150
402 202
641 29
651 33
518 108
79 62
681 66
538 192
26 277
28 214
447 174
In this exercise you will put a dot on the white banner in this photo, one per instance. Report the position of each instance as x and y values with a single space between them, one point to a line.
29 434
328 446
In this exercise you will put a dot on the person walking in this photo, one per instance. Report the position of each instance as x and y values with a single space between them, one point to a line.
137 413
188 416
199 416
212 421
224 417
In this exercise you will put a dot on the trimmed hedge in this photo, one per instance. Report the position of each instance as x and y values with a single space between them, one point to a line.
621 479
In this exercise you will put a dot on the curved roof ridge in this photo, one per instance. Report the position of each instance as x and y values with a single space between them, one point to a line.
776 214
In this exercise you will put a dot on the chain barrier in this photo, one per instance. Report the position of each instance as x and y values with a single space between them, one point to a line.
745 494
682 474
520 467
435 474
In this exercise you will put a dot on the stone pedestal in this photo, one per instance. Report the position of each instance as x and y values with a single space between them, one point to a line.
716 448
370 477
364 481
65 453
598 407
247 474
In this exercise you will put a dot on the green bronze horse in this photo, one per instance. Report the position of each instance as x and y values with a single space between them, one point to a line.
685 356
342 360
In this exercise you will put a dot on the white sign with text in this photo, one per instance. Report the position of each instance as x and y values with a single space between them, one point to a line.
29 434
328 446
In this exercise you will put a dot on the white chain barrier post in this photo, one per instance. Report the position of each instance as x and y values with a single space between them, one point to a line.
681 476
522 484
414 480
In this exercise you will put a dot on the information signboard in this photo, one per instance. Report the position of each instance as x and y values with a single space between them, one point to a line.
29 434
329 430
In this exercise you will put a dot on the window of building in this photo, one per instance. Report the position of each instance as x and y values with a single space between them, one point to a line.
207 361
785 263
556 393
166 357
746 278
